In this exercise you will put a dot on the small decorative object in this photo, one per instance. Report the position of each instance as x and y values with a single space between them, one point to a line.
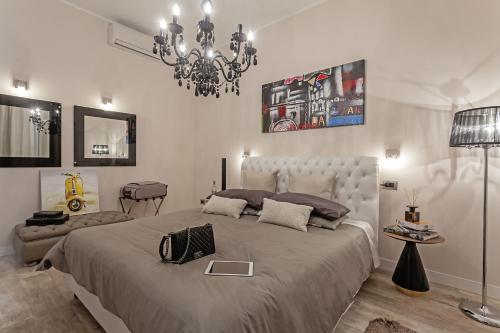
479 128
214 187
326 98
411 215
73 191
207 69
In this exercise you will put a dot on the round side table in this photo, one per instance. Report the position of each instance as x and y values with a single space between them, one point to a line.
409 275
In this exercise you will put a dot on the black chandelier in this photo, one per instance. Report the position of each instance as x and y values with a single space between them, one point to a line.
43 126
202 67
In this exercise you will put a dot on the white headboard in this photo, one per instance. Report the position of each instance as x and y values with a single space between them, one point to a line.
356 186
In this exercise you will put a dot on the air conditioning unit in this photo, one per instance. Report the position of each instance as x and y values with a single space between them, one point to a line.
131 40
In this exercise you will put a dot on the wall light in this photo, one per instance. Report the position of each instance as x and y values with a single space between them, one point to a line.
245 155
107 103
20 85
392 154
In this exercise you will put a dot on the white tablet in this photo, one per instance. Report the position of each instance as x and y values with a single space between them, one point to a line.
232 268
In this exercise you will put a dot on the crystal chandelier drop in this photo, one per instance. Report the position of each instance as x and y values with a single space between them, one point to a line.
207 70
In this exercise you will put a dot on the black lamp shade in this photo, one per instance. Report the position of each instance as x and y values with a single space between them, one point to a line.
476 127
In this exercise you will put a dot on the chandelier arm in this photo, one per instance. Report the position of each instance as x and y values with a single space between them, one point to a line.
225 59
223 72
165 61
247 67
188 75
194 51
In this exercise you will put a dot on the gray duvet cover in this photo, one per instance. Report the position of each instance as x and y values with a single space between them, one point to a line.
302 282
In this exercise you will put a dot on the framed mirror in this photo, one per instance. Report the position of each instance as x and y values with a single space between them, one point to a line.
30 132
104 138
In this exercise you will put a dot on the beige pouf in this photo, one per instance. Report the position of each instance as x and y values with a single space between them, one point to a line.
31 243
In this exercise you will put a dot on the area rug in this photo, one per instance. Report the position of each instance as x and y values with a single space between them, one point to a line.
381 325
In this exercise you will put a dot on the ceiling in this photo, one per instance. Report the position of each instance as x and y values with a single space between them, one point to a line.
144 15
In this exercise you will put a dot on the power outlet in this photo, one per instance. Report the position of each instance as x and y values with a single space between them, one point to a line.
389 185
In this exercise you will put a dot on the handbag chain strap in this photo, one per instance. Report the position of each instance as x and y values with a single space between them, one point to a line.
165 241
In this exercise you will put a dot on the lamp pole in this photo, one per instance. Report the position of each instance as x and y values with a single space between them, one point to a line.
480 311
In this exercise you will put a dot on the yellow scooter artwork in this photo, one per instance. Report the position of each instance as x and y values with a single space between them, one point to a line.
74 192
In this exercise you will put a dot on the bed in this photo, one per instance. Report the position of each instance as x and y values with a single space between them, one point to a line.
303 282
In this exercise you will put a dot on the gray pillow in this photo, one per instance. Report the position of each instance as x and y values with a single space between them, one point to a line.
328 209
250 211
254 198
320 222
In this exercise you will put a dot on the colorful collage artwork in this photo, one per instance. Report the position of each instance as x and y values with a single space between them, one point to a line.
326 98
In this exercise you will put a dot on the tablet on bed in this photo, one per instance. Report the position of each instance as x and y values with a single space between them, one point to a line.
233 268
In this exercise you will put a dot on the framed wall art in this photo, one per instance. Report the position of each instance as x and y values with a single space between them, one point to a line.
326 98
74 191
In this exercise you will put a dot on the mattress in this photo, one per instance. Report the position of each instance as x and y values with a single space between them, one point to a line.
302 282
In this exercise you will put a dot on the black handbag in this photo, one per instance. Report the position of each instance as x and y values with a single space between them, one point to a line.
186 245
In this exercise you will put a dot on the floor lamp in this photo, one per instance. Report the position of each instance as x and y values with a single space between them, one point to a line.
479 128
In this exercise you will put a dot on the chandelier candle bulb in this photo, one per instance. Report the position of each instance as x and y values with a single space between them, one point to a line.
163 24
176 10
207 7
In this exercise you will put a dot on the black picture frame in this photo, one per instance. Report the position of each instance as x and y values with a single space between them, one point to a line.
55 131
79 137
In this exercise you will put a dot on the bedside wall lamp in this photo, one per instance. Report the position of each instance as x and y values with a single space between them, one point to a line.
245 155
107 103
392 154
20 85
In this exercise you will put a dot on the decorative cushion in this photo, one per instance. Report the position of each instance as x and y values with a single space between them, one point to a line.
253 198
285 214
314 182
320 222
224 206
327 209
265 181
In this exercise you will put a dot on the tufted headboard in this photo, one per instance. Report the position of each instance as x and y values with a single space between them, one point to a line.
356 186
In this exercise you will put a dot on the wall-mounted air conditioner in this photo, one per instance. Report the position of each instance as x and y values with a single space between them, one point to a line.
131 40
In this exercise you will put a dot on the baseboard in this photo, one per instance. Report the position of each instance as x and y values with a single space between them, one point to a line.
6 250
448 280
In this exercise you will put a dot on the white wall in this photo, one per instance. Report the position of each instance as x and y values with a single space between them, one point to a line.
425 59
64 54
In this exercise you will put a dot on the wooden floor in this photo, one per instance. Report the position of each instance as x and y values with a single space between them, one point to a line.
40 302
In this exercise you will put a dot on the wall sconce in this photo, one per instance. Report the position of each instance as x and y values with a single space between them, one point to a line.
245 155
20 85
107 103
392 154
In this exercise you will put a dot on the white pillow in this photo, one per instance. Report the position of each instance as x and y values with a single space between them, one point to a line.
320 222
224 206
285 214
314 183
265 181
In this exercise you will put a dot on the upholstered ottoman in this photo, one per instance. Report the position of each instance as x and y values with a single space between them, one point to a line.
31 243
